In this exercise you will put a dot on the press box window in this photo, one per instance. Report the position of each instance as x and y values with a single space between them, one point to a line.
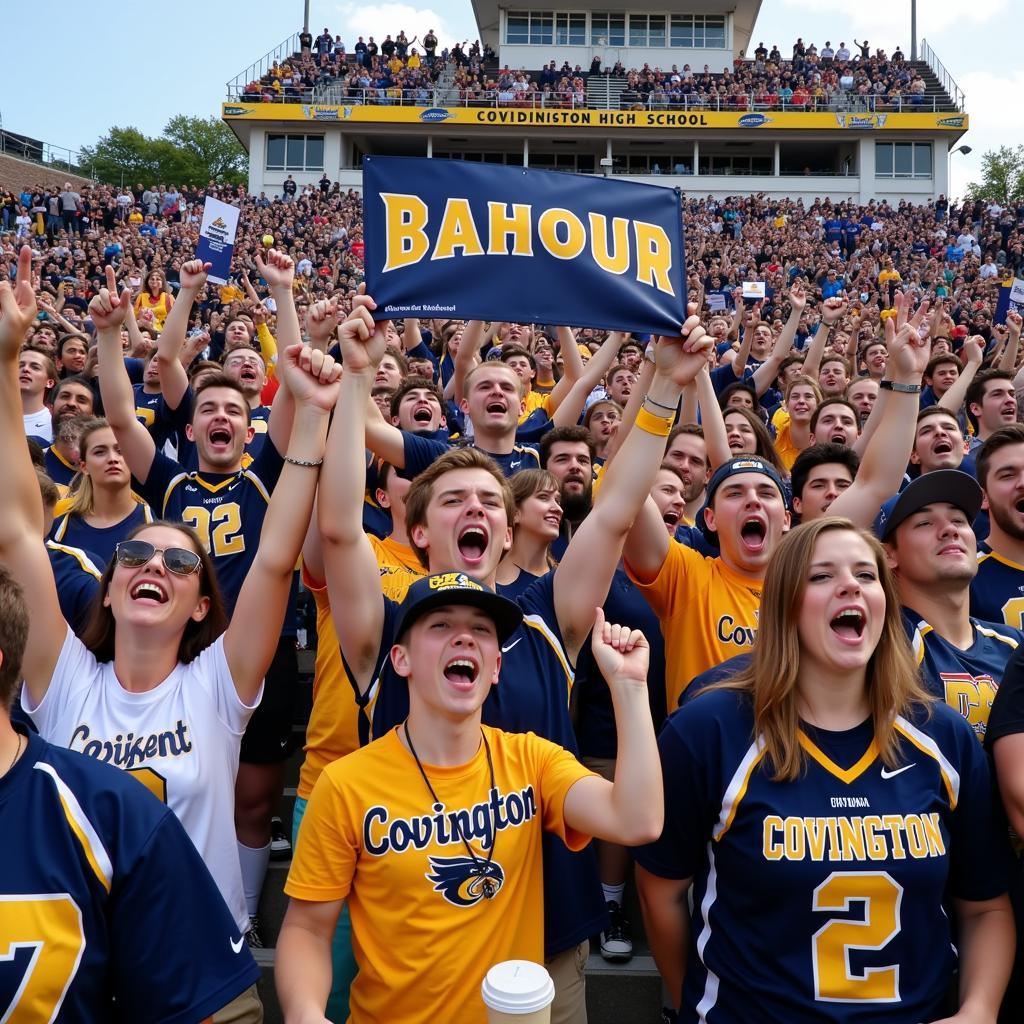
903 159
608 29
700 31
295 152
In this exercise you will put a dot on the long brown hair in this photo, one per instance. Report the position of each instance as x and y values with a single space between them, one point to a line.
98 635
525 484
892 683
764 445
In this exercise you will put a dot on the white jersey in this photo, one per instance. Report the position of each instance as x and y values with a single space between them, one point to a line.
181 740
39 424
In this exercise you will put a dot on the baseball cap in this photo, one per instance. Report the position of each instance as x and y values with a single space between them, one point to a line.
741 464
951 486
444 588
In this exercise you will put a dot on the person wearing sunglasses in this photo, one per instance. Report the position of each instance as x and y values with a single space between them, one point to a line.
159 687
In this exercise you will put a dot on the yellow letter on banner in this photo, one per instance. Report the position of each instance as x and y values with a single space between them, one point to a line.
502 224
617 260
405 217
457 232
653 256
547 228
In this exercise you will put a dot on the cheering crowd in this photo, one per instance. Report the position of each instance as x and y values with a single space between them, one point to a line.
742 605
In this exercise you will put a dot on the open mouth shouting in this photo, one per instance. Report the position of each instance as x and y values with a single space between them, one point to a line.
462 672
753 535
422 415
496 407
848 625
149 592
472 544
220 439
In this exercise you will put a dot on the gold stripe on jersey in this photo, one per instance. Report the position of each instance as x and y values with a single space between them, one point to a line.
924 743
537 623
846 775
737 788
78 555
92 845
995 635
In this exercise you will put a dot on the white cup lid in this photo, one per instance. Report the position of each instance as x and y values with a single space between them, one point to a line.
517 986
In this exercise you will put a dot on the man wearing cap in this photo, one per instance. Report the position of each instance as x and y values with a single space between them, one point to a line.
930 546
459 513
433 832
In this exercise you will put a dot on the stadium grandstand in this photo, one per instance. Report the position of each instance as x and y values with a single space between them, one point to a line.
820 173
679 99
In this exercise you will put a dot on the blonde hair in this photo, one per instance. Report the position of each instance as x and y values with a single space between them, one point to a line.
892 683
81 497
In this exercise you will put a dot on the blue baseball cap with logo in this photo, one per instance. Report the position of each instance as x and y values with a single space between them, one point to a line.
941 486
456 588
734 467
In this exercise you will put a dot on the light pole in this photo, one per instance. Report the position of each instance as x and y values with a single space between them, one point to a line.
966 150
913 29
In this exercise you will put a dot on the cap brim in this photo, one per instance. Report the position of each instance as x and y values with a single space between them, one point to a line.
940 487
506 614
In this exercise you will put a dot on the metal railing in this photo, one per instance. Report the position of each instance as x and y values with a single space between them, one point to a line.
337 94
259 68
954 91
46 154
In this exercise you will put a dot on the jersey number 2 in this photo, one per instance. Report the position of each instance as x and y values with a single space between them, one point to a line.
880 896
219 530
51 927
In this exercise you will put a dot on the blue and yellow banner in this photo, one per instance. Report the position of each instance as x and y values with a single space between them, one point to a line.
1011 296
485 242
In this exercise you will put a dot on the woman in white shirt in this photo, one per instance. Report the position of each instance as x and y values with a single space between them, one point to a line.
161 689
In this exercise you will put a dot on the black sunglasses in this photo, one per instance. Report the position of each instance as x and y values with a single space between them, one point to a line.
133 554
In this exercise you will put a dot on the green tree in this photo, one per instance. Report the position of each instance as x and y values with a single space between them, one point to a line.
190 151
1002 176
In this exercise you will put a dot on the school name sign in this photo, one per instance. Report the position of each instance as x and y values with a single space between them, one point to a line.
486 242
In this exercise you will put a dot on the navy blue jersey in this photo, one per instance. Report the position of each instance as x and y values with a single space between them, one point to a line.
109 914
997 592
151 412
595 714
73 530
420 452
58 469
966 680
76 574
534 427
533 696
226 510
821 900
519 585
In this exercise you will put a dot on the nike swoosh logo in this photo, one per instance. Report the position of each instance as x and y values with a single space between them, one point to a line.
899 771
236 947
505 650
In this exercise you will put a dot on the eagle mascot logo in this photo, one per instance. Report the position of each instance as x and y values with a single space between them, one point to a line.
464 881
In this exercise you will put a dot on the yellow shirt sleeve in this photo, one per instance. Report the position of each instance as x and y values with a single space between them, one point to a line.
268 348
325 857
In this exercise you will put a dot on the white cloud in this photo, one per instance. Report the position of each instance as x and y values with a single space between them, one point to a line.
378 20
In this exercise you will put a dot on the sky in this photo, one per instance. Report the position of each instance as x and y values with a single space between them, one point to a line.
114 76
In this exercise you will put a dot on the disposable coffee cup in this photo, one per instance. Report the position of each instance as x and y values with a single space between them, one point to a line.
518 992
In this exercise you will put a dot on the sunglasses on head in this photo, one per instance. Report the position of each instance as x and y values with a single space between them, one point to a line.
133 554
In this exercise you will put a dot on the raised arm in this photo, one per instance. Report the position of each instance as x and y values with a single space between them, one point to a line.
713 421
173 378
974 350
831 311
630 810
466 358
750 324
21 509
572 369
1008 360
252 636
766 373
585 573
885 458
353 579
108 310
279 272
571 408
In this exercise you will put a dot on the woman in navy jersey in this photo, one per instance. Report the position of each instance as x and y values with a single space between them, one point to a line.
101 510
538 518
827 814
